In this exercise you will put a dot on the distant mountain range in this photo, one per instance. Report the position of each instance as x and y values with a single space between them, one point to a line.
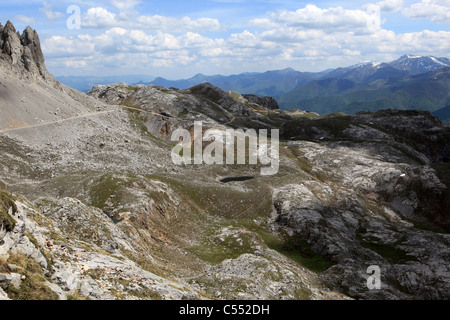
410 82
428 91
86 83
270 83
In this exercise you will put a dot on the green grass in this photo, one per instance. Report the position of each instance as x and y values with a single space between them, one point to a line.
6 202
210 198
102 190
293 248
389 252
183 113
310 115
138 119
215 252
306 128
76 296
130 102
46 254
300 251
34 286
133 88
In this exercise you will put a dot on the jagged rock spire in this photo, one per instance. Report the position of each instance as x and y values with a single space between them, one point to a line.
23 52
11 45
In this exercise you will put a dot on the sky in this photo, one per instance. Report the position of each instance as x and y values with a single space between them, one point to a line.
178 39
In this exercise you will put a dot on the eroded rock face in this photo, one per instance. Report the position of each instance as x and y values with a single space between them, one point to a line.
164 110
368 211
267 102
23 52
86 260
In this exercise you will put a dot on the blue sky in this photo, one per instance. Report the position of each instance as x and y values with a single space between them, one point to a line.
178 39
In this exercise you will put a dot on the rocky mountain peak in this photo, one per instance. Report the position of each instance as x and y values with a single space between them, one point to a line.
419 64
23 53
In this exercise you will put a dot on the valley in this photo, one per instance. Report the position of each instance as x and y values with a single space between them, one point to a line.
92 206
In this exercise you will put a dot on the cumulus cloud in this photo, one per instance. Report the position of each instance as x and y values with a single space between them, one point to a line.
47 9
390 5
25 19
60 47
172 24
98 17
164 49
435 10
308 38
125 5
333 19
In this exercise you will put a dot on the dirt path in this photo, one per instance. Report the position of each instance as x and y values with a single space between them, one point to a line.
59 121
93 114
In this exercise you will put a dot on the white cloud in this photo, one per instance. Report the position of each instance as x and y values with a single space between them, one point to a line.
390 5
68 47
99 18
435 10
25 19
331 19
172 24
280 46
125 5
47 9
309 39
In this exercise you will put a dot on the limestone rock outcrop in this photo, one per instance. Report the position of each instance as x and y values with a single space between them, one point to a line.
23 52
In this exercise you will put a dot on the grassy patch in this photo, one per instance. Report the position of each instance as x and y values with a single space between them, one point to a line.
310 115
301 252
312 128
389 252
101 191
34 286
183 113
46 254
145 293
138 119
130 102
299 156
211 197
4 268
302 294
230 248
6 202
133 88
293 248
143 261
76 296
